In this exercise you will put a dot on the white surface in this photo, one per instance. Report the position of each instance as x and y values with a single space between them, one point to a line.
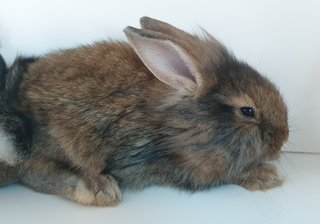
296 202
279 38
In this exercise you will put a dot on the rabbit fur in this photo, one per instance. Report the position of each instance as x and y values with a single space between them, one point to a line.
166 108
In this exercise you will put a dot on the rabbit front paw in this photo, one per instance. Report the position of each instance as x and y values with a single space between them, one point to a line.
101 191
262 177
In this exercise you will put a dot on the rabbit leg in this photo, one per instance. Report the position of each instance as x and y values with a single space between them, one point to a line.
261 178
102 190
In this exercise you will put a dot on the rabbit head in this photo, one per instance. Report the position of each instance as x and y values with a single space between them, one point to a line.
216 106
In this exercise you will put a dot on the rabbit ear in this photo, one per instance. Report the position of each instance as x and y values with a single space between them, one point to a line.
164 28
165 59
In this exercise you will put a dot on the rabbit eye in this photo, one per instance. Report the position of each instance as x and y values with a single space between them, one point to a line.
248 112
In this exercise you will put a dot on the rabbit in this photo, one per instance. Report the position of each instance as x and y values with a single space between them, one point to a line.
14 135
167 108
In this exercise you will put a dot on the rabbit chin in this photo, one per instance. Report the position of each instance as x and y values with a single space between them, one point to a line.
8 154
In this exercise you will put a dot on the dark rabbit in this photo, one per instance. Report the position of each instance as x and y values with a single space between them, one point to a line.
169 108
14 133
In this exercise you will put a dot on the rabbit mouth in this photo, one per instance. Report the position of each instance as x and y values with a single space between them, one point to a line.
273 151
274 156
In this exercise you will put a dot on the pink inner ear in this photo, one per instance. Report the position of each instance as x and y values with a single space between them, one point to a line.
167 58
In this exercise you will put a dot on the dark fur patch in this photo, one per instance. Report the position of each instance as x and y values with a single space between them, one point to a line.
16 124
3 71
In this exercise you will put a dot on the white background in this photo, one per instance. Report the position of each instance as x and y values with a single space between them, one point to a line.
279 38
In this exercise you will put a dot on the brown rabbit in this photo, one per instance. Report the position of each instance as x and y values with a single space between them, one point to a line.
169 108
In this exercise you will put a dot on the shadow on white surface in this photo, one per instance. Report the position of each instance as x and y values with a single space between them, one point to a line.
297 201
